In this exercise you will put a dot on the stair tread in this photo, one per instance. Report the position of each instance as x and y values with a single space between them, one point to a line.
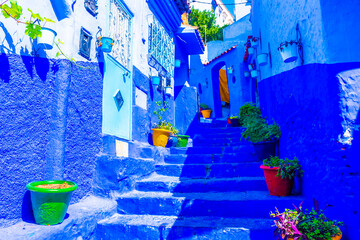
212 196
215 163
162 178
193 222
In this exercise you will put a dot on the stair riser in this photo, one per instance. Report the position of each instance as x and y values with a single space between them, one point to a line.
213 150
202 186
213 141
198 207
220 130
211 170
211 158
143 232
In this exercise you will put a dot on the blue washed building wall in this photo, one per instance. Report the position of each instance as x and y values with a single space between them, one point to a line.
316 104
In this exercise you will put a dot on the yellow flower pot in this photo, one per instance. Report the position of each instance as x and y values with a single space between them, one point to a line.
206 113
160 137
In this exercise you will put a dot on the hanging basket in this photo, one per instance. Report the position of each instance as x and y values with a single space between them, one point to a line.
47 38
155 80
106 44
262 59
246 74
254 73
288 51
168 90
251 51
254 42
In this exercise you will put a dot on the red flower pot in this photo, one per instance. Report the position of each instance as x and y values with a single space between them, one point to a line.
276 185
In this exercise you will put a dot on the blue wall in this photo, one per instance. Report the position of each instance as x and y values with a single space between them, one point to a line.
308 111
51 127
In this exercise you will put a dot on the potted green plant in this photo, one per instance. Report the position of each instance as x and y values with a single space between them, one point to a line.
280 173
286 223
235 121
248 112
50 200
182 140
162 129
205 110
263 136
288 51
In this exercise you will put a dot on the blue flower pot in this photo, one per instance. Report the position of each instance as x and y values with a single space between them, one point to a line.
106 44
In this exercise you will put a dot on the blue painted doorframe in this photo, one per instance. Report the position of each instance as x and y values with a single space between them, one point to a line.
116 118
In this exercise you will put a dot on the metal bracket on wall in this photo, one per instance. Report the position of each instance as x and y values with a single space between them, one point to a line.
270 59
300 46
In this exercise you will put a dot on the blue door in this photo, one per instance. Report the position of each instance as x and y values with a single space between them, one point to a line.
117 83
117 95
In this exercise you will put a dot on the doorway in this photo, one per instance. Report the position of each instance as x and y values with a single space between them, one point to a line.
220 90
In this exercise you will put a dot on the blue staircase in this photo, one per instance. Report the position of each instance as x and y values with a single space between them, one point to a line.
213 190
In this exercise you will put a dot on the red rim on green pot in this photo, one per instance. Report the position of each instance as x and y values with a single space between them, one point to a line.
276 185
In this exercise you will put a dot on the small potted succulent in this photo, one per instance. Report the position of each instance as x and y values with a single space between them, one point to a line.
105 44
205 110
288 51
280 173
50 200
263 136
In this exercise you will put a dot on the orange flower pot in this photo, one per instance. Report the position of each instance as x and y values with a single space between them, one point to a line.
337 237
206 113
160 137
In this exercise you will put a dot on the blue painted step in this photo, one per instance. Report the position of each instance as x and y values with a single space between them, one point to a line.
252 204
204 141
154 227
183 185
211 170
238 157
212 150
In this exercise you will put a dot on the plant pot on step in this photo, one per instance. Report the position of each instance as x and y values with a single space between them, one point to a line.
235 122
47 38
251 50
160 137
337 237
50 205
276 185
206 113
264 150
182 140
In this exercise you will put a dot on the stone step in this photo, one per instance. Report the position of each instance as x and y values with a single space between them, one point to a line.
213 150
215 130
217 141
211 158
185 185
155 227
211 170
252 204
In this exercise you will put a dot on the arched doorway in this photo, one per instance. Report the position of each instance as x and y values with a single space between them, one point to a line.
220 90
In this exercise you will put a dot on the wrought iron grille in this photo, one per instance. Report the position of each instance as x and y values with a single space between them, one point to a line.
161 47
120 31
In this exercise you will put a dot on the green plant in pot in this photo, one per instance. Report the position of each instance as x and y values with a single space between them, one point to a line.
163 129
50 200
263 136
249 112
234 121
280 173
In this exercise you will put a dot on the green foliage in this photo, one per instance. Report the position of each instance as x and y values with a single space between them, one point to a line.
258 130
206 18
249 112
234 117
204 106
14 10
288 168
163 124
286 223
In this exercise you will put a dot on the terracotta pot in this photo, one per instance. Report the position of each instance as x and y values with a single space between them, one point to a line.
338 237
276 185
160 137
206 113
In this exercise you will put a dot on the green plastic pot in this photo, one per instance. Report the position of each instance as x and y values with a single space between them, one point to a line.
182 140
50 205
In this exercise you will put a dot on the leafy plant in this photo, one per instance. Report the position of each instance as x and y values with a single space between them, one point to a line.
314 225
249 112
288 168
234 117
258 130
163 124
204 106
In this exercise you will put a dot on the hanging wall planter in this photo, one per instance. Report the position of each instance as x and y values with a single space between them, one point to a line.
262 59
254 42
155 80
288 51
106 44
50 200
177 63
246 74
168 90
254 73
47 38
